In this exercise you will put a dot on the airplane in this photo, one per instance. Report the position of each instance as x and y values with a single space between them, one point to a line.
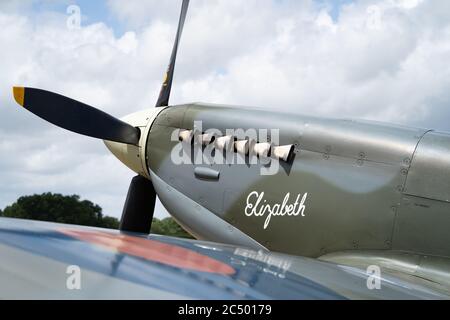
348 192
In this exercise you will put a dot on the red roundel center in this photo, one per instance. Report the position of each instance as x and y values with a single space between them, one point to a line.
152 250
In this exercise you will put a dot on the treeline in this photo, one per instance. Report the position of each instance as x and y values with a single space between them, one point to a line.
72 210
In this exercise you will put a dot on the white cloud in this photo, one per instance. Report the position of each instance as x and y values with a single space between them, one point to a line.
383 60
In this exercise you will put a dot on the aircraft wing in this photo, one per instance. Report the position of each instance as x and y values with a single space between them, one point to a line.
41 260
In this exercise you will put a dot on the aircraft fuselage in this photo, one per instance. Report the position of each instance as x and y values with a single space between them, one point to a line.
351 185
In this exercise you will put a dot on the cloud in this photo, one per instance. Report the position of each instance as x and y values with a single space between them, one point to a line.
37 157
382 60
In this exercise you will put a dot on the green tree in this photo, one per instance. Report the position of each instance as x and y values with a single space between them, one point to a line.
169 227
71 210
60 209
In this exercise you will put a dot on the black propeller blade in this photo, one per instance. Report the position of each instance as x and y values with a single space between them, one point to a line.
164 95
76 116
138 210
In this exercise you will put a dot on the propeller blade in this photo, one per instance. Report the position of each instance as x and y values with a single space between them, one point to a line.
137 215
164 95
75 116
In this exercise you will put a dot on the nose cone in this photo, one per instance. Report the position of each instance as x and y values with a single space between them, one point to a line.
129 155
134 156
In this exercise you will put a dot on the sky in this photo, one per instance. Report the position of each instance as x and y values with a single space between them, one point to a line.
383 60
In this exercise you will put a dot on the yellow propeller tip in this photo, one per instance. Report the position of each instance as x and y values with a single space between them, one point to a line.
19 95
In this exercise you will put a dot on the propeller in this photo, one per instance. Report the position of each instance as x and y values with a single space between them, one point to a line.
81 118
164 95
75 116
141 199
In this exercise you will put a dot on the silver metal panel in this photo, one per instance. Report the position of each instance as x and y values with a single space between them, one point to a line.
421 225
354 139
199 221
352 198
40 273
26 275
430 170
432 272
348 206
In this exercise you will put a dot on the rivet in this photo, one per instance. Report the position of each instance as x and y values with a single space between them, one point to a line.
362 155
404 172
326 156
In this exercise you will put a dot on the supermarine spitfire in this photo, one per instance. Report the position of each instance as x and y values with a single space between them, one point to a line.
351 192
